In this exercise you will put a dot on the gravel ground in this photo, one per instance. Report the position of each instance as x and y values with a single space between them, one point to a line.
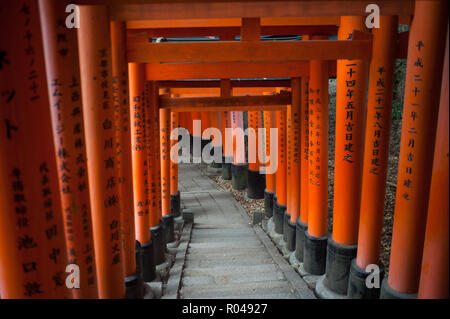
251 205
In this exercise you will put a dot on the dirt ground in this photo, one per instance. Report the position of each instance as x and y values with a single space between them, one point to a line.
389 204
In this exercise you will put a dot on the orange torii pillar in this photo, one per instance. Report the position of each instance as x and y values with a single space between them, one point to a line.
32 251
139 137
239 166
133 250
256 181
435 265
175 203
164 135
350 105
227 159
378 122
280 199
269 192
154 173
293 179
315 240
98 112
196 147
302 220
64 90
422 87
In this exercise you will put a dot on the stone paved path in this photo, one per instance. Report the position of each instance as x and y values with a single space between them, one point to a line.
226 258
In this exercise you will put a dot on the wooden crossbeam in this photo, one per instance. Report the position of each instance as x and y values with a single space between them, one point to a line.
232 51
234 83
227 70
125 10
234 31
233 103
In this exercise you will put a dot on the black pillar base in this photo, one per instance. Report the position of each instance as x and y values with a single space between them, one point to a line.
148 261
138 258
357 288
268 203
239 176
256 184
169 234
226 167
289 231
134 287
286 219
159 244
339 258
387 292
314 254
278 216
175 205
300 229
217 150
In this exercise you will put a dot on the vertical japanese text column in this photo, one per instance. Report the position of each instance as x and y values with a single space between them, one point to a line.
270 146
167 216
225 91
315 241
156 229
294 177
279 205
434 274
421 104
302 220
351 89
32 250
381 80
63 79
132 248
98 111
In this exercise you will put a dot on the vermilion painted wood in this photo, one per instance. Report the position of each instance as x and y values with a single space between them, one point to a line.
435 265
246 51
123 135
95 65
164 135
426 48
351 90
378 123
69 141
32 251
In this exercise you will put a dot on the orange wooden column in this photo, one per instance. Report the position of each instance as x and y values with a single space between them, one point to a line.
167 217
350 99
216 144
315 242
32 251
239 167
225 91
205 124
269 192
302 220
422 86
381 76
293 176
174 193
434 274
156 229
95 66
133 249
64 90
140 160
279 206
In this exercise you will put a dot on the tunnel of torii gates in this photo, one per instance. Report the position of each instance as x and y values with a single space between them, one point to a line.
85 172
